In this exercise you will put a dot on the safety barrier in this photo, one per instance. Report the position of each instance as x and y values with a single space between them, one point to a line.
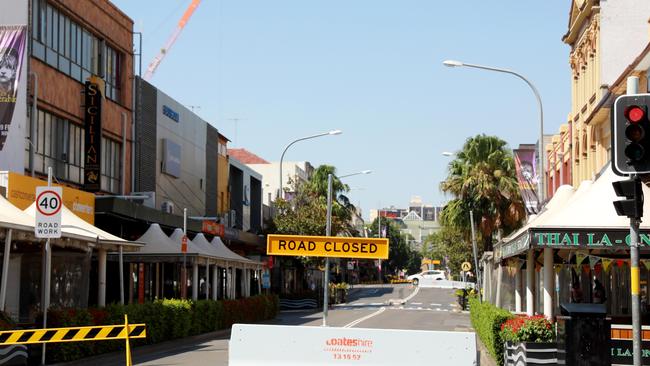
124 331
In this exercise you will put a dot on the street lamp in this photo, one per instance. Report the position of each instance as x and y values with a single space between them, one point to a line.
542 194
332 132
328 232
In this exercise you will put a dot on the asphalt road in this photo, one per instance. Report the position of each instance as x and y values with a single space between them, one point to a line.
379 306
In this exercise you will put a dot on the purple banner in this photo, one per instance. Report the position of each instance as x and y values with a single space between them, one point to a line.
526 167
12 50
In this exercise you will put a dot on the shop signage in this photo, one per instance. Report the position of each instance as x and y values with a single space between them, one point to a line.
48 212
171 158
324 246
516 246
212 228
13 85
93 137
20 192
571 239
621 352
172 114
266 280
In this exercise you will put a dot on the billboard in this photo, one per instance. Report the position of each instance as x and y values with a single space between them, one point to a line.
13 94
526 168
93 136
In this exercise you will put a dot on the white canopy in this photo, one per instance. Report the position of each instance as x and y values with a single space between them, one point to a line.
228 254
11 217
201 241
73 225
193 248
157 242
594 208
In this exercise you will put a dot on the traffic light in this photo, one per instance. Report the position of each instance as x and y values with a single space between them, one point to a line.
631 135
632 206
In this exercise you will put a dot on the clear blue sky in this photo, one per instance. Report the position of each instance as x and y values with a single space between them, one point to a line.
373 68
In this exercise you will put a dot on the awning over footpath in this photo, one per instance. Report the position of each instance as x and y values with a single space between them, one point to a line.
224 252
580 219
73 226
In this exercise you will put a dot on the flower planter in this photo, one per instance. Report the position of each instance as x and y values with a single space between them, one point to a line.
530 353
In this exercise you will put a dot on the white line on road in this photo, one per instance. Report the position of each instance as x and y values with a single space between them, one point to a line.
433 304
352 324
409 297
416 303
377 303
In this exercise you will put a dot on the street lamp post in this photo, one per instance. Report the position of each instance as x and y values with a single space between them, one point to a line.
332 132
328 232
541 174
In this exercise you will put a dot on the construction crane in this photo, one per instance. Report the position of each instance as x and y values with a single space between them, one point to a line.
170 42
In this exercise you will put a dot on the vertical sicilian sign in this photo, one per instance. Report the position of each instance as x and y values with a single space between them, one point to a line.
13 93
93 124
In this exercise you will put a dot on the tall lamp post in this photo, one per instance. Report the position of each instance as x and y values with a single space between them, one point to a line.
332 132
328 232
541 174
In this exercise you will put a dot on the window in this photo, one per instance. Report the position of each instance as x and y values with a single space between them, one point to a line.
65 45
111 167
59 144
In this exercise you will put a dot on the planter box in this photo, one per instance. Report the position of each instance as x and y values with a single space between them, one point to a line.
529 353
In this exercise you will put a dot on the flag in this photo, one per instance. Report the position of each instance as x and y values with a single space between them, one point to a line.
580 257
593 260
606 263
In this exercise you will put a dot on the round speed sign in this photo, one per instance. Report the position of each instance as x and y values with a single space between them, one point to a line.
48 203
466 266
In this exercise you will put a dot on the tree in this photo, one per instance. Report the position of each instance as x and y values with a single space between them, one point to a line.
449 246
482 178
400 254
306 212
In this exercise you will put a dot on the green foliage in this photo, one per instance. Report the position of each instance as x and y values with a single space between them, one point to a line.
527 329
400 254
482 178
306 212
165 319
486 320
449 243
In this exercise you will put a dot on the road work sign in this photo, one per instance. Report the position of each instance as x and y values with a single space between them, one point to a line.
327 246
466 266
302 345
48 212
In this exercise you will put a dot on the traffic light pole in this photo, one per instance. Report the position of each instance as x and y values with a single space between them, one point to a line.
634 284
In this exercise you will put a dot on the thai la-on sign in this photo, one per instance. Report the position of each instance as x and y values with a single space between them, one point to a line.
93 139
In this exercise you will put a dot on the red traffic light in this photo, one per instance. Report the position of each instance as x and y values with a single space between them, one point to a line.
634 113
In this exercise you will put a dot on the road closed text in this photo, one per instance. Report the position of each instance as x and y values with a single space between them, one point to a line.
322 246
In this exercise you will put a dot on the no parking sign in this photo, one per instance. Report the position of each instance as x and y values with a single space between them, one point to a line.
48 212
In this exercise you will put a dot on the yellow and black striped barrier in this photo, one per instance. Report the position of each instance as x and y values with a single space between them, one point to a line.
124 331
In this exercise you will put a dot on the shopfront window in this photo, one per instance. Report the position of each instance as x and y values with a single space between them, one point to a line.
111 167
65 45
59 144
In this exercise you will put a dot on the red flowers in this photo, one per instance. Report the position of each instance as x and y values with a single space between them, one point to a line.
527 329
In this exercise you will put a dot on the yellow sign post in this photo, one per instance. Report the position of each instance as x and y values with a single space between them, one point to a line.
326 246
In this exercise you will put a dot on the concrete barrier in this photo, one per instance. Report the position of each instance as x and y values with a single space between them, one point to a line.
253 345
445 284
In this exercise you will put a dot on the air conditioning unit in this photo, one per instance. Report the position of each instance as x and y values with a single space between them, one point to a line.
167 207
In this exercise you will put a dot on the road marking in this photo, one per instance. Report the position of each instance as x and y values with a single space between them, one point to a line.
409 297
416 303
352 324
359 303
377 303
432 304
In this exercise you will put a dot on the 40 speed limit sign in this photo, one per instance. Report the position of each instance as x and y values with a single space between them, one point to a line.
48 212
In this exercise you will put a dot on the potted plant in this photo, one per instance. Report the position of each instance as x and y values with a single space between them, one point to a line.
338 292
528 338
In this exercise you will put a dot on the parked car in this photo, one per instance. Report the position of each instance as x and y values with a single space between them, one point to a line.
431 275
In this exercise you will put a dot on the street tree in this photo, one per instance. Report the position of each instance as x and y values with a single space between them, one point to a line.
450 247
482 178
400 254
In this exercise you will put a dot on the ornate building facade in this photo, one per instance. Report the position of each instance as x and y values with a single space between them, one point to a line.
599 61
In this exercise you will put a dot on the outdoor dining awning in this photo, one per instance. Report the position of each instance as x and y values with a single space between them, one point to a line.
586 220
11 217
192 247
231 256
73 226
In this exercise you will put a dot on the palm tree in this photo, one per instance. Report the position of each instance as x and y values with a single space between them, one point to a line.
482 178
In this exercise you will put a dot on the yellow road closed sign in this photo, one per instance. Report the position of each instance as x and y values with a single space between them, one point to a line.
327 246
